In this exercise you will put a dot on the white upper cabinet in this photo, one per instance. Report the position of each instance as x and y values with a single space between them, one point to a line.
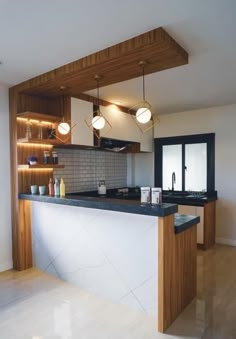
80 111
124 128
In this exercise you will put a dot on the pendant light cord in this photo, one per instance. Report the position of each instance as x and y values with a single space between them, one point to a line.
98 94
98 90
62 88
63 102
143 85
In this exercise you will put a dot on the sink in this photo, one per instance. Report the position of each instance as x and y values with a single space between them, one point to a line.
174 195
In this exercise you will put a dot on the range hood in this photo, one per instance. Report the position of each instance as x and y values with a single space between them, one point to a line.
107 144
115 145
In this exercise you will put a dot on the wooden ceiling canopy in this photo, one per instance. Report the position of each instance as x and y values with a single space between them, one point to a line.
114 64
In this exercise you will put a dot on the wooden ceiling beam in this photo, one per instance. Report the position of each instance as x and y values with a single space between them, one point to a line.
94 100
114 64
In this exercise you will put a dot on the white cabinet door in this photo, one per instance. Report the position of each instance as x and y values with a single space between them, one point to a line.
124 128
80 111
197 211
200 226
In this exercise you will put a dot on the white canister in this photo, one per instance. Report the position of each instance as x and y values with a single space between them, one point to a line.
156 195
145 195
102 190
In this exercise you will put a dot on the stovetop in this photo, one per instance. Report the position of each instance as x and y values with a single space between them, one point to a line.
127 193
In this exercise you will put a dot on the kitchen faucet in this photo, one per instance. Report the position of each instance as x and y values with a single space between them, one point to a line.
173 180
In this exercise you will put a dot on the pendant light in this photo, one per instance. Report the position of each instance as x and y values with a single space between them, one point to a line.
63 127
99 124
98 121
144 118
143 114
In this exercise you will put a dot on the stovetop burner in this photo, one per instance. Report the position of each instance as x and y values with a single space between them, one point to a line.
128 193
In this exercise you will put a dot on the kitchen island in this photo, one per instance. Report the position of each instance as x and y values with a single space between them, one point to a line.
141 256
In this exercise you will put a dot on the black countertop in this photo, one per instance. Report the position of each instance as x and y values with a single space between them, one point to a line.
182 222
117 205
191 200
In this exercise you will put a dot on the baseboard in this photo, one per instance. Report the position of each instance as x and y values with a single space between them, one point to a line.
6 266
226 241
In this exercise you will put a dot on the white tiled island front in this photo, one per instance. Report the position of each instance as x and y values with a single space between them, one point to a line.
111 254
140 256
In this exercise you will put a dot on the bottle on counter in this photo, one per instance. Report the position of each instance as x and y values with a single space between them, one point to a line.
51 187
56 188
62 188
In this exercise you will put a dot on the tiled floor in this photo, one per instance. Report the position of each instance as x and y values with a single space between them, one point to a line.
37 306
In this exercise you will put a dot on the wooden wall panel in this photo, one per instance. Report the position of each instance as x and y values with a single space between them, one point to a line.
25 150
24 253
29 177
22 125
209 224
177 265
14 175
21 180
38 104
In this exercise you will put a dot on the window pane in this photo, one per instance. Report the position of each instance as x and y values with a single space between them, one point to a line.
196 167
172 163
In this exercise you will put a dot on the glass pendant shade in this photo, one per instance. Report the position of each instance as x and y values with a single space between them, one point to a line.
63 128
98 122
143 115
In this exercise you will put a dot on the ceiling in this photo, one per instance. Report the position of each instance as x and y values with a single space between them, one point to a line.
39 36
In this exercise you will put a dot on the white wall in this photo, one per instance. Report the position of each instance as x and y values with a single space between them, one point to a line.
140 169
219 120
5 210
124 128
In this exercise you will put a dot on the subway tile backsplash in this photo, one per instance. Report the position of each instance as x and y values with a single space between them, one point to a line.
84 168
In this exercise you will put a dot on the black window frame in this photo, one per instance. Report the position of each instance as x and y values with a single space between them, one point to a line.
208 138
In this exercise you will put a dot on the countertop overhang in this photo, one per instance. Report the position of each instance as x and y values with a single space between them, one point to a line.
181 222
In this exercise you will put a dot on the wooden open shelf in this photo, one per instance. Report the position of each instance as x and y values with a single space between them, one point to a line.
25 166
39 116
39 141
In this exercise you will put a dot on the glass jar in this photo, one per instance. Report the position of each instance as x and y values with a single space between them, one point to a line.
46 157
54 158
28 131
40 130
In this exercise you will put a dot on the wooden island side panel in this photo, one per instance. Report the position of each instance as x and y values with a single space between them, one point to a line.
177 268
